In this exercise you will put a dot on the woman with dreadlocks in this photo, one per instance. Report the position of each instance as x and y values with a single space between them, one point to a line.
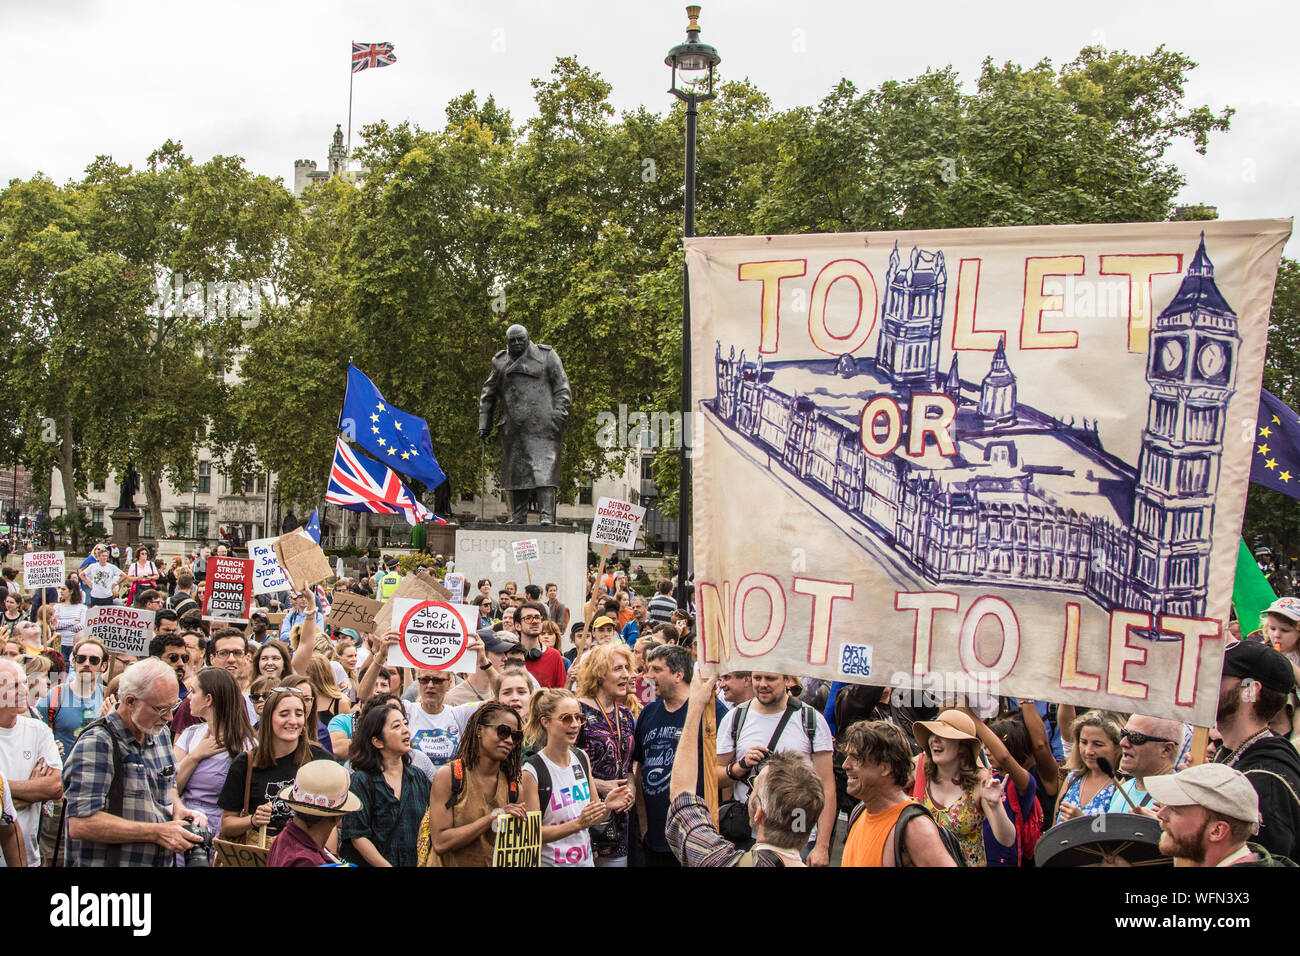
480 784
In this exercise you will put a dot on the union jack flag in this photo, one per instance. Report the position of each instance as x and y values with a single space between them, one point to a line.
359 484
367 55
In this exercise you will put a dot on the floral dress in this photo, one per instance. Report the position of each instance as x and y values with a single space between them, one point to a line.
1099 804
964 819
607 736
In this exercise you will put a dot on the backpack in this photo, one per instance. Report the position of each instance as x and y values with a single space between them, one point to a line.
807 713
733 815
1028 830
910 813
424 844
544 775
116 790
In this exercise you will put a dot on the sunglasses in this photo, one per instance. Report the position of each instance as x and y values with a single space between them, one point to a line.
87 659
568 719
504 732
1137 739
178 658
530 617
434 680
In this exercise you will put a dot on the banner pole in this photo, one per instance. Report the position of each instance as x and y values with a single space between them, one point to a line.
590 611
351 74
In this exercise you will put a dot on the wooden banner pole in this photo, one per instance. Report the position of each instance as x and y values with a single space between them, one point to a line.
1200 742
709 759
590 610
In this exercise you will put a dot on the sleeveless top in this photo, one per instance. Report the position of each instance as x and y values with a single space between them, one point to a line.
1099 803
964 819
865 845
472 806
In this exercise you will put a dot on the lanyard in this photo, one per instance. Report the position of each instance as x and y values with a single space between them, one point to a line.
616 728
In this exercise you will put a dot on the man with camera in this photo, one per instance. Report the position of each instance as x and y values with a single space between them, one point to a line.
119 780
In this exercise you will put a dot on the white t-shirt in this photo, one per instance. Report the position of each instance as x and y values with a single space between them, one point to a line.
102 579
21 746
757 730
437 735
570 794
8 813
68 620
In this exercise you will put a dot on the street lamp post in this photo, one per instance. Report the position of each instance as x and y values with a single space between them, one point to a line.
692 64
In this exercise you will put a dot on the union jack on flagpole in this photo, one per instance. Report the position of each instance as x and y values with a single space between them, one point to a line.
359 484
366 56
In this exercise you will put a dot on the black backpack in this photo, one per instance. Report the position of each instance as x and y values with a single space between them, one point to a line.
544 776
116 791
910 813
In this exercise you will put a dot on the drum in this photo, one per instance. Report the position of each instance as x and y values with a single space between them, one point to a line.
1107 839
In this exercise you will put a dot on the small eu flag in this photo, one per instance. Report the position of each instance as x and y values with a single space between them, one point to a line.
1275 462
312 527
397 438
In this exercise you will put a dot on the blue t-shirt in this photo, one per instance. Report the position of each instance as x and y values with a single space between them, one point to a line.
657 732
631 632
74 713
996 853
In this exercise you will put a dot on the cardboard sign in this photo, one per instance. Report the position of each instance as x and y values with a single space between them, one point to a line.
275 619
526 551
228 589
240 854
124 630
354 611
455 585
43 569
419 587
1021 453
518 842
303 560
616 523
434 636
268 576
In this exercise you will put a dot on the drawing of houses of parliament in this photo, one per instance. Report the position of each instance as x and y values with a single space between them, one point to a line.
1028 500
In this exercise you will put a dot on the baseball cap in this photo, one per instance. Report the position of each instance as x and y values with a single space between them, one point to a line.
1259 662
603 621
494 642
1287 607
1214 786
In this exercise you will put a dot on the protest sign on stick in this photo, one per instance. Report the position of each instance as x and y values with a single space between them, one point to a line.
455 583
518 842
416 586
303 560
616 523
43 569
526 552
240 854
123 630
1022 454
435 635
355 612
268 576
228 589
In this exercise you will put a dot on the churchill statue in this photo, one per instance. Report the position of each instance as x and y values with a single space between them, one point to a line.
528 381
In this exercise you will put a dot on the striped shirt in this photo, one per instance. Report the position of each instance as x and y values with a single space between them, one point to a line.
696 842
661 607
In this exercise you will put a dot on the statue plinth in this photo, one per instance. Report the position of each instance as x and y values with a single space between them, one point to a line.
126 527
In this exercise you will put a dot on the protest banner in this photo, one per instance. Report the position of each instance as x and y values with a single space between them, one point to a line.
1021 454
527 551
353 611
419 587
434 635
455 585
268 576
518 840
124 630
303 560
240 854
43 569
275 618
228 589
616 523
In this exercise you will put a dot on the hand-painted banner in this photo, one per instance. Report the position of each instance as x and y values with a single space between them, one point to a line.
1000 460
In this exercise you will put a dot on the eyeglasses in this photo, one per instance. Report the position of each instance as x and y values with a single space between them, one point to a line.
236 652
87 659
568 719
178 658
530 617
1137 739
166 710
434 680
505 733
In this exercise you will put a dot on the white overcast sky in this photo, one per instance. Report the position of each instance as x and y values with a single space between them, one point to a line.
269 80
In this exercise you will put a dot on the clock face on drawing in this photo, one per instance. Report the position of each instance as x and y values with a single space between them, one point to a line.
1171 355
1211 359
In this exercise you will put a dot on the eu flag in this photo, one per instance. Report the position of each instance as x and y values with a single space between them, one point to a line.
1275 462
397 438
312 527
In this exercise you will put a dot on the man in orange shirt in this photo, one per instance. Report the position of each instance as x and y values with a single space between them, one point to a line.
878 764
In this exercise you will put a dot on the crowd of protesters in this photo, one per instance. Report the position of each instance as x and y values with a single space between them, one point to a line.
288 734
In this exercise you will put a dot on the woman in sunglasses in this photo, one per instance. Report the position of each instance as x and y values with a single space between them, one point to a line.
461 815
204 752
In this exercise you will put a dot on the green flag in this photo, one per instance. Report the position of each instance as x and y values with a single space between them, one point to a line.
1251 592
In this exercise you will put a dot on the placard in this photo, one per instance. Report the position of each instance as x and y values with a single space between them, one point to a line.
616 523
455 585
518 841
123 630
43 569
228 589
354 612
527 550
434 636
268 576
419 587
240 854
303 560
1020 453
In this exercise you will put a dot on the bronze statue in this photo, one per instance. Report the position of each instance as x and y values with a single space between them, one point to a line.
530 383
130 485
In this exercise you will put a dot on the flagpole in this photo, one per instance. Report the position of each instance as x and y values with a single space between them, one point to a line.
351 74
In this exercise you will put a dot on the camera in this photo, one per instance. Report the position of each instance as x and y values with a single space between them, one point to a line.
198 854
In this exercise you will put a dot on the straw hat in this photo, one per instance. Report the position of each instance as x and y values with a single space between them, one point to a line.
320 789
950 725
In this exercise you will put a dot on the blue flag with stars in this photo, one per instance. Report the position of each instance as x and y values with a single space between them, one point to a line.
397 438
1276 461
312 527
